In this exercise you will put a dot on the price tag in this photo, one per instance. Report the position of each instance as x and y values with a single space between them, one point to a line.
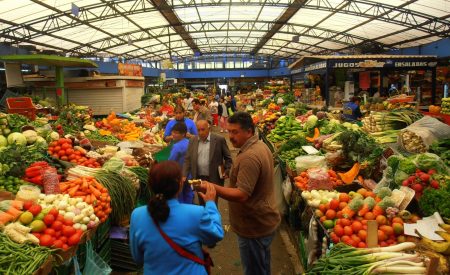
310 150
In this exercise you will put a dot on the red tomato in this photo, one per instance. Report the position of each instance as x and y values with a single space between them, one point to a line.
49 219
65 158
27 205
68 222
61 153
50 231
74 240
53 144
348 230
66 146
45 240
345 222
63 239
56 149
362 234
69 151
65 247
338 230
58 244
57 225
54 212
356 226
334 204
68 231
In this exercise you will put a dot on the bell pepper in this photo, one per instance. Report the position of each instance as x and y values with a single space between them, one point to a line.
33 171
39 164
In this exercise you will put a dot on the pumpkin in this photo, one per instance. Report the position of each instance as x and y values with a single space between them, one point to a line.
351 174
434 109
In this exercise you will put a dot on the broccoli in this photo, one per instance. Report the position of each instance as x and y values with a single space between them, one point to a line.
355 204
370 202
393 161
386 202
384 192
407 166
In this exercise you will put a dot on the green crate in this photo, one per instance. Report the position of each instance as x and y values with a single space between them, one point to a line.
121 258
105 251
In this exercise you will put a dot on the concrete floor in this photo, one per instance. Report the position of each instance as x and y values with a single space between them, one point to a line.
226 254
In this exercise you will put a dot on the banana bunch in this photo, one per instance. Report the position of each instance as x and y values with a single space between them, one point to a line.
442 247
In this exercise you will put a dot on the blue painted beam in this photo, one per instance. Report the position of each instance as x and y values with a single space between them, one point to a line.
440 48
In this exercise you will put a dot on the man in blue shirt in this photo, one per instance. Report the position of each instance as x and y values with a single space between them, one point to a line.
179 117
352 112
178 153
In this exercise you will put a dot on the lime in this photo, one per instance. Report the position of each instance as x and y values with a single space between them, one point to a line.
26 217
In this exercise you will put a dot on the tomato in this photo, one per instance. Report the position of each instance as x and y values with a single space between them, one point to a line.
330 214
73 161
74 239
27 205
66 146
61 141
45 240
323 208
62 153
355 238
338 230
345 222
344 197
63 239
54 212
388 230
68 222
83 159
356 226
60 218
334 204
65 247
381 236
78 153
369 216
348 230
342 205
57 148
65 158
68 231
57 225
362 234
69 151
55 156
50 231
58 244
49 219
362 245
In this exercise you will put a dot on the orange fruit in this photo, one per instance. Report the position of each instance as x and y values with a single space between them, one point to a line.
397 220
356 226
381 220
345 222
334 204
330 214
381 236
344 197
362 234
388 230
369 216
348 230
338 230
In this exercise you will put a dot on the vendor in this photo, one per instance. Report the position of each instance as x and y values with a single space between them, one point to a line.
179 117
352 112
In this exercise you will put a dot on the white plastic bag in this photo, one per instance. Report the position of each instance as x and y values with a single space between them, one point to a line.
287 189
303 163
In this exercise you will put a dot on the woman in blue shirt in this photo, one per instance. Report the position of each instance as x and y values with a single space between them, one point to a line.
187 225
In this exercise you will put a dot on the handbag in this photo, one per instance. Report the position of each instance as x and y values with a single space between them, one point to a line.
207 262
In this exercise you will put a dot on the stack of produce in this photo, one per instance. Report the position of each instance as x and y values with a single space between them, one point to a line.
323 180
123 129
91 192
347 217
35 172
11 184
32 257
285 128
315 197
64 150
344 260
72 118
445 106
393 120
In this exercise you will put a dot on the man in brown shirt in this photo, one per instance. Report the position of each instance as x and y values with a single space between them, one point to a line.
253 213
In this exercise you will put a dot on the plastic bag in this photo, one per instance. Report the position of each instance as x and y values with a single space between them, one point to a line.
94 263
287 189
318 179
427 129
51 181
303 163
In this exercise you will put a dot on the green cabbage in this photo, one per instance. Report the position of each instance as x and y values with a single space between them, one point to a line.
407 165
429 161
311 122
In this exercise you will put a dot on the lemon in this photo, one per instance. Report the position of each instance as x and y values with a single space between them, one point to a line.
37 226
26 217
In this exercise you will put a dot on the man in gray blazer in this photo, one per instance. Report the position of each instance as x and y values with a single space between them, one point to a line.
205 154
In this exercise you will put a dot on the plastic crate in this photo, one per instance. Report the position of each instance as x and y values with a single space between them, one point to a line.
7 95
21 105
121 258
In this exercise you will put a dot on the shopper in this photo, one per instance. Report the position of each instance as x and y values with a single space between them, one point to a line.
351 111
206 153
187 103
178 154
188 226
201 112
223 115
251 195
214 109
179 117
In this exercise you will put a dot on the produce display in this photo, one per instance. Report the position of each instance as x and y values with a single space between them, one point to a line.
445 107
11 184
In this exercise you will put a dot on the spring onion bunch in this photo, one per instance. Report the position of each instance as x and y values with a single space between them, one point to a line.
344 259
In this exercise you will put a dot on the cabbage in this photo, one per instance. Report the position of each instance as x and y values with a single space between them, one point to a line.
17 138
429 161
53 136
311 122
3 141
41 140
30 135
407 165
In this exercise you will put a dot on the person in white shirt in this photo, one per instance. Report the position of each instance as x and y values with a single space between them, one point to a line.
187 103
214 109
223 115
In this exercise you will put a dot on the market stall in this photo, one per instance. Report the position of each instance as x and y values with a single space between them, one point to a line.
332 80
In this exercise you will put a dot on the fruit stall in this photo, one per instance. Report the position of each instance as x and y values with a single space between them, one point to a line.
69 183
364 199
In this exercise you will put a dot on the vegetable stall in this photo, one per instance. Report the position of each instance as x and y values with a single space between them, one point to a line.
363 199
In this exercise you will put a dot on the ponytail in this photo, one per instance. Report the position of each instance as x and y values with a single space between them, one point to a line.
164 183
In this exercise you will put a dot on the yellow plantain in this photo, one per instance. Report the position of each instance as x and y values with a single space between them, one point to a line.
443 262
446 227
444 235
440 247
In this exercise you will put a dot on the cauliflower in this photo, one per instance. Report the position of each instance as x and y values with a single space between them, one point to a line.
407 166
355 204
386 202
384 192
370 202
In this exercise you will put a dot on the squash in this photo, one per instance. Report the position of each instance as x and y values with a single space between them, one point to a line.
434 109
351 174
316 135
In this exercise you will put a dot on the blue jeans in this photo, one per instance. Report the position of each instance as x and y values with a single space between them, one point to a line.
255 254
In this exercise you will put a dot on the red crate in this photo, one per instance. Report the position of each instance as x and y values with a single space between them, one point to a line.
21 105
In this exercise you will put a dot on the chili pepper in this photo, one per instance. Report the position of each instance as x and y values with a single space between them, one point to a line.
39 164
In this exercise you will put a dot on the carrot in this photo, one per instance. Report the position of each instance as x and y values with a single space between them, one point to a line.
14 212
95 191
5 218
87 199
363 210
85 185
63 186
93 200
80 194
360 179
73 190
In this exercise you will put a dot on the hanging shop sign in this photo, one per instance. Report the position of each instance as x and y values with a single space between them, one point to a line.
387 63
313 67
130 69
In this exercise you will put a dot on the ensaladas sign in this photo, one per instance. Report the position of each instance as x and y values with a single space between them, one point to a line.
387 63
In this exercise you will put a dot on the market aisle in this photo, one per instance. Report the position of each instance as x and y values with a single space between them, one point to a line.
226 253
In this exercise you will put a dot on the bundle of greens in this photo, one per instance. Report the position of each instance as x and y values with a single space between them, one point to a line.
436 200
19 157
442 149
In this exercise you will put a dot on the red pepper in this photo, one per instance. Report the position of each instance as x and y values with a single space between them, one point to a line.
39 164
34 171
36 180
